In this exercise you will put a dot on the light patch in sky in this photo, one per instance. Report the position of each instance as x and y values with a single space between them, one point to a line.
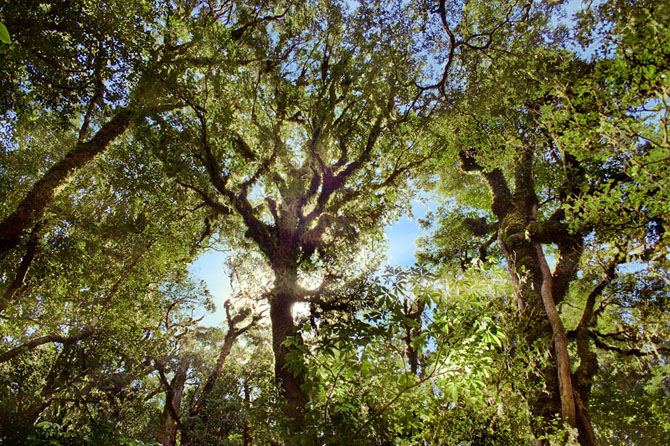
402 236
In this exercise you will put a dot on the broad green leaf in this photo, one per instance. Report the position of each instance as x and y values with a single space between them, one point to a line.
4 34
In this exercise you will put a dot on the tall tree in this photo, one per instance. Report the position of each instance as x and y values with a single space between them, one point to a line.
136 134
308 153
538 173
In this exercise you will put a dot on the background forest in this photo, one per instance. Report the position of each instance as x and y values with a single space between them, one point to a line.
137 135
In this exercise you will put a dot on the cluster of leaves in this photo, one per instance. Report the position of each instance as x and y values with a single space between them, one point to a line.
290 134
463 385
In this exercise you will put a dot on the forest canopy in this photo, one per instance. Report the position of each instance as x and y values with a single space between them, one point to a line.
138 135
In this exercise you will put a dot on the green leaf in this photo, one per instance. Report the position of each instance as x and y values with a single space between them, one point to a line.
4 34
453 393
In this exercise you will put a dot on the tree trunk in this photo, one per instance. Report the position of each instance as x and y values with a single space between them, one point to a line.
566 390
525 269
43 192
290 379
214 375
247 438
412 311
168 435
588 360
187 438
20 278
289 374
535 284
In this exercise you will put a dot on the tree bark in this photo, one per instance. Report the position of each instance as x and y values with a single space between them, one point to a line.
519 238
228 342
32 207
566 390
59 339
247 438
588 360
283 328
167 436
187 438
412 311
282 299
22 272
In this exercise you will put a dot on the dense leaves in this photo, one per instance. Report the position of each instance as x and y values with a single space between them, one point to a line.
138 135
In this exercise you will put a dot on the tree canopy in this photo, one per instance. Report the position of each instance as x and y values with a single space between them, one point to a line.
137 135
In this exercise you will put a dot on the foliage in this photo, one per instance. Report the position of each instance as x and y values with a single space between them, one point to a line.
4 34
138 134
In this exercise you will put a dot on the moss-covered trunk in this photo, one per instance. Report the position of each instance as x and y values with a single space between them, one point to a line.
538 290
524 265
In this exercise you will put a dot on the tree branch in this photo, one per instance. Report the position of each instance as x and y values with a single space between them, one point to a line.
43 192
58 339
19 279
233 333
568 407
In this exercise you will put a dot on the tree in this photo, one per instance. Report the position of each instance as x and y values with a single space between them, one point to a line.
67 62
307 154
137 135
174 389
537 176
63 59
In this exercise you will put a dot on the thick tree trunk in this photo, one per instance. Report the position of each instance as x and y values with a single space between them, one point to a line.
538 290
32 207
525 269
283 327
289 374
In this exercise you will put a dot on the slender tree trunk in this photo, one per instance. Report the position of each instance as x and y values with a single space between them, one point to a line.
412 311
187 439
566 390
32 207
167 436
247 438
214 375
19 280
588 360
